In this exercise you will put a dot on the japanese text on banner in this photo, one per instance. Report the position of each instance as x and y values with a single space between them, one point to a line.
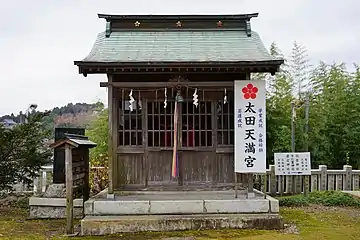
250 132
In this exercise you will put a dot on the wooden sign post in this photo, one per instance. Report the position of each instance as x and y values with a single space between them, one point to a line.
76 172
69 190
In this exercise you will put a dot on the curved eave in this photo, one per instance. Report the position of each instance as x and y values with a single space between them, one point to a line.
85 68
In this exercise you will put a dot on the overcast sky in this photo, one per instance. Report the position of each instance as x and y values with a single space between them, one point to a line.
40 39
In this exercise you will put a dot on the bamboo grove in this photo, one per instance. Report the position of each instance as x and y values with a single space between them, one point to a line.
334 109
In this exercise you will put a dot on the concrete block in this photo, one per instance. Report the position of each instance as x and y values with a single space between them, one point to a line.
46 212
55 202
110 196
237 206
55 191
53 207
177 207
274 204
104 225
120 207
89 207
250 195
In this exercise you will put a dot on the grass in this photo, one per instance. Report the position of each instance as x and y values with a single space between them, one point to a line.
330 222
326 198
315 222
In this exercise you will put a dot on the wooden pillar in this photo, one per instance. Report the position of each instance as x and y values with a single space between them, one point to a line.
146 164
117 176
69 190
110 138
86 191
214 138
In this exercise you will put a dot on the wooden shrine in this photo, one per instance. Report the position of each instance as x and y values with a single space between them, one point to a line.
156 62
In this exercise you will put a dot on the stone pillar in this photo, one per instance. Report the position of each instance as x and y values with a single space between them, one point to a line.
323 178
272 180
347 178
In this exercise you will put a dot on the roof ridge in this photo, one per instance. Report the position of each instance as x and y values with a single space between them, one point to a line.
109 17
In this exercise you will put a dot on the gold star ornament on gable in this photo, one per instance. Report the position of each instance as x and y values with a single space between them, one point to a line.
137 24
178 24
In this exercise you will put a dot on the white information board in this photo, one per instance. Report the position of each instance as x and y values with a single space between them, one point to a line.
292 163
250 126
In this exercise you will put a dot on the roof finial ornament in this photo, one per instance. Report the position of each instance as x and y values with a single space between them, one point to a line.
178 24
137 24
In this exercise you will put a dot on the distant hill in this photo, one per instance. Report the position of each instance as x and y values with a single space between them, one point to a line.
71 115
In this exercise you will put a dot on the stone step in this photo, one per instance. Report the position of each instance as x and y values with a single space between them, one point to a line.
105 225
105 207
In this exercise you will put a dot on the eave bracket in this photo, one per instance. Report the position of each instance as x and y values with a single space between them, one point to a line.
248 28
108 29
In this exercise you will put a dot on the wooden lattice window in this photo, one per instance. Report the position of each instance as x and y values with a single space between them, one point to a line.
196 124
225 122
160 124
130 124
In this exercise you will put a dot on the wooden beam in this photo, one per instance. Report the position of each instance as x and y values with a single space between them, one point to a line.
166 84
69 190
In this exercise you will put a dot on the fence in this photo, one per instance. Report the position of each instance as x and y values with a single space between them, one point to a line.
45 179
321 179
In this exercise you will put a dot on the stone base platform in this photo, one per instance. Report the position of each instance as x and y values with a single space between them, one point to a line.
105 225
171 211
47 208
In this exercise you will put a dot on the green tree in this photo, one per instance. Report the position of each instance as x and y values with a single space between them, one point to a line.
98 133
353 129
278 104
332 115
300 68
23 151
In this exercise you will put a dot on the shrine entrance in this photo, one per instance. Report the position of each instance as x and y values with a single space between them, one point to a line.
204 125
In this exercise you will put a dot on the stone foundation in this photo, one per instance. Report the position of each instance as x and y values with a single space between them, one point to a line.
173 211
105 225
53 208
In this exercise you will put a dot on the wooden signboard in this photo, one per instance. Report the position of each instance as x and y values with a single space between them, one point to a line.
59 153
76 172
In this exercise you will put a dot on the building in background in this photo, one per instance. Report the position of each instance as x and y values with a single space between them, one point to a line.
8 123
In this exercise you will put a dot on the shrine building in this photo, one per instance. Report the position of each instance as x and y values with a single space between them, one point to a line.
170 81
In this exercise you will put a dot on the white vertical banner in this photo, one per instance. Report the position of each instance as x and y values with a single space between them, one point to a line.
250 126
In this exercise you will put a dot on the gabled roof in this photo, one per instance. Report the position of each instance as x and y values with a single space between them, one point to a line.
173 40
74 140
178 46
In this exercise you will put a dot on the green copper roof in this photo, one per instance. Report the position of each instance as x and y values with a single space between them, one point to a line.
178 46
